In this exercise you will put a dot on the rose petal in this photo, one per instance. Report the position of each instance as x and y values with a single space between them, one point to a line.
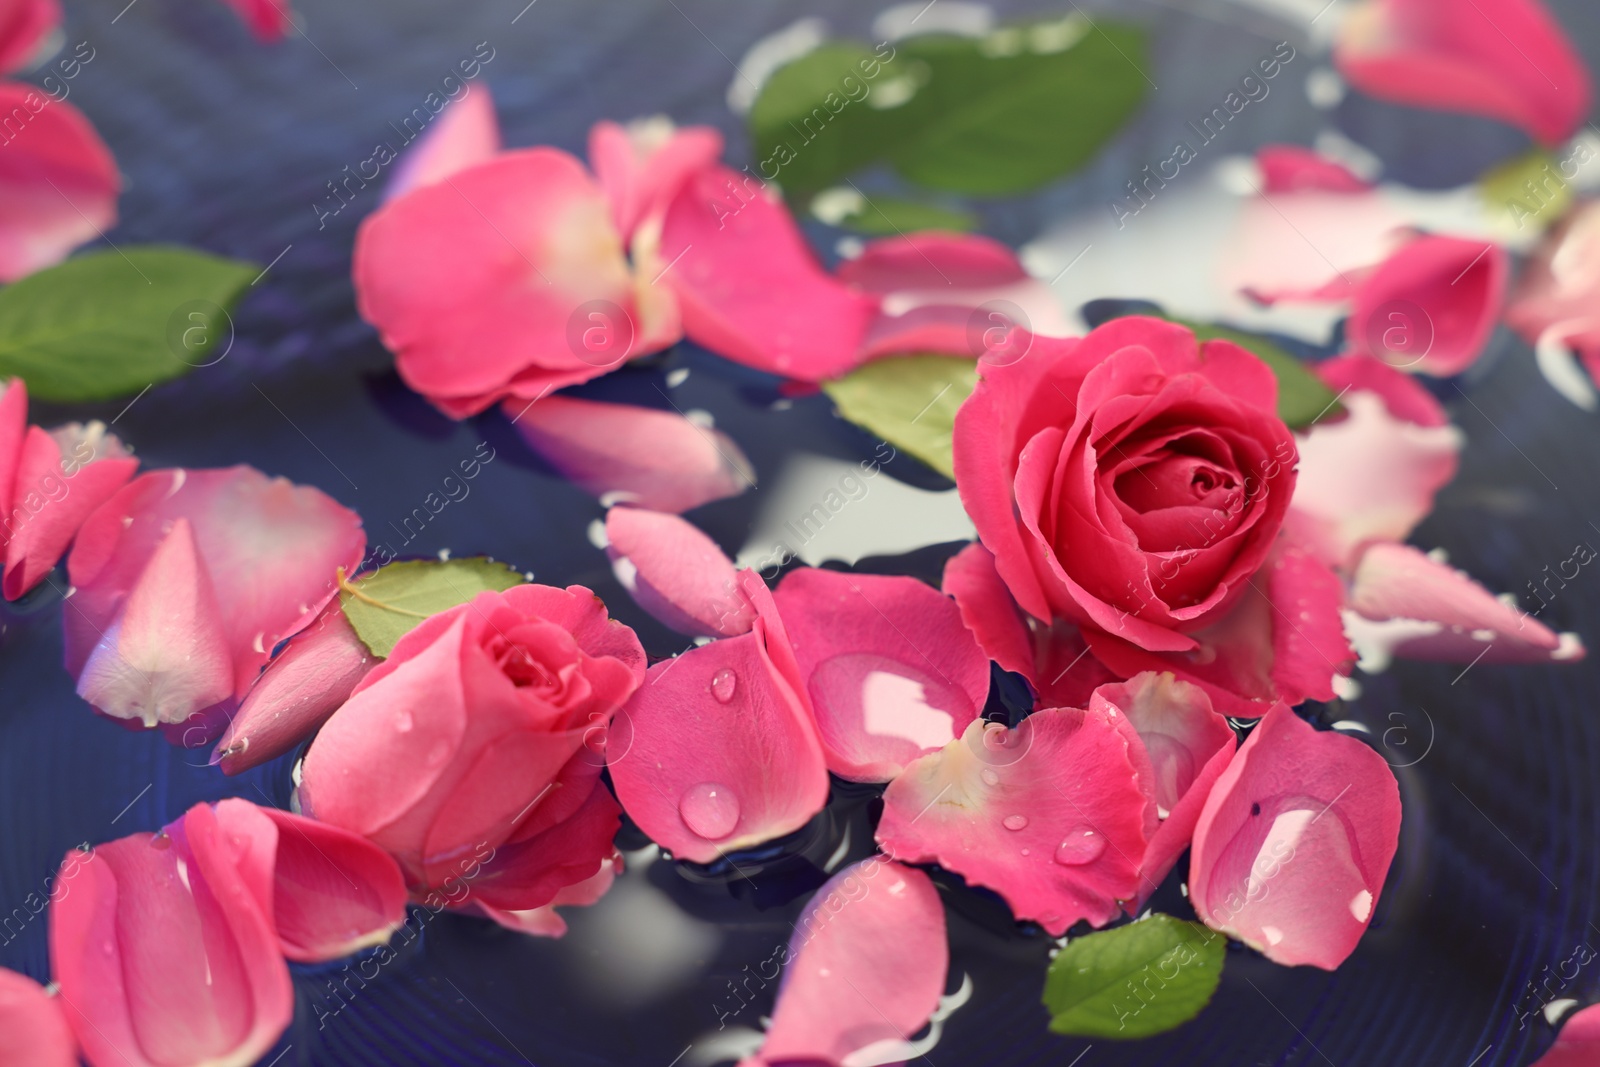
621 453
641 166
1295 841
866 967
58 182
1555 294
1578 1044
164 656
1054 658
33 1026
1310 245
1050 815
300 688
1403 396
891 671
164 953
724 753
1188 744
1398 582
1503 59
24 27
1283 641
1368 477
1446 289
465 134
269 20
541 870
546 921
489 281
934 286
13 431
49 504
333 893
749 286
676 573
269 549
1288 168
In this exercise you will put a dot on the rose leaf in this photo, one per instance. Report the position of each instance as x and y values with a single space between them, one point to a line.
386 605
909 401
1144 978
110 323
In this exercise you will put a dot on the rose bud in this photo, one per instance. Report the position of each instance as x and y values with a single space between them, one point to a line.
465 755
33 1026
186 580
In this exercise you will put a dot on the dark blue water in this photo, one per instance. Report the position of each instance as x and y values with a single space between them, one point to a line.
228 145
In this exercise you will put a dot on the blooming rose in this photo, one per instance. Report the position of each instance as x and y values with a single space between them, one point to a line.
463 754
1133 480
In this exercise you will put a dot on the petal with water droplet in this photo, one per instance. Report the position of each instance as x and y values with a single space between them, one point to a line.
1070 773
762 746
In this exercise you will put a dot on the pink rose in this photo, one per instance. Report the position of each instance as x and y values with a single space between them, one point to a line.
464 753
1133 480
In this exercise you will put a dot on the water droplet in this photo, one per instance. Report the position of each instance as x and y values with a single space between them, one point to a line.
108 947
724 684
1081 845
403 722
710 810
990 776
1014 822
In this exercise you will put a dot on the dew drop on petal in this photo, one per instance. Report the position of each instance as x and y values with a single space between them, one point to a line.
1014 822
1081 845
990 776
724 684
710 810
403 722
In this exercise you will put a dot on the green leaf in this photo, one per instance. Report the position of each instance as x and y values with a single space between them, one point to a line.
1302 396
909 401
109 323
885 215
1513 205
1023 106
812 123
990 116
388 604
1140 979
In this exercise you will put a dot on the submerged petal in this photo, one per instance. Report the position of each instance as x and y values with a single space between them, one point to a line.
1295 840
